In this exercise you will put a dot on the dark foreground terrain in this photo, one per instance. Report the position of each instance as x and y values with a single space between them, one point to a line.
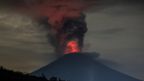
9 75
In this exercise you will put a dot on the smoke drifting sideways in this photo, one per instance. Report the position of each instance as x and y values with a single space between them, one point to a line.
56 13
65 20
55 10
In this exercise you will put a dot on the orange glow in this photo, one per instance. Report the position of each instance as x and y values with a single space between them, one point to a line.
72 47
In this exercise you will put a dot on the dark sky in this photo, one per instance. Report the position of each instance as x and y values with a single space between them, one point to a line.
116 31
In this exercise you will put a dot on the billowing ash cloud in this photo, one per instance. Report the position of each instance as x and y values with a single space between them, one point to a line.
64 18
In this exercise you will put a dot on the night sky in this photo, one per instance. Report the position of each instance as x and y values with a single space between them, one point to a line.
115 31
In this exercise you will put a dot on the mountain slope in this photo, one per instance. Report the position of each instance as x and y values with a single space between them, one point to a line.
78 67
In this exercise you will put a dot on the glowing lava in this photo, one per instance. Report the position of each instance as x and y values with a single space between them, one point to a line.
72 47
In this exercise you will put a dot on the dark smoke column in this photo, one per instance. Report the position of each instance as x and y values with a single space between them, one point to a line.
69 37
74 31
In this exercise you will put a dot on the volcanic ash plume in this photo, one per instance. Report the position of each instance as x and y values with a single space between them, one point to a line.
69 36
65 20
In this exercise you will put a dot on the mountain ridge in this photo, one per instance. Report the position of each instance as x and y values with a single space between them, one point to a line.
80 67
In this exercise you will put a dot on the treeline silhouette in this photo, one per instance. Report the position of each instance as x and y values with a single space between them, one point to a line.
9 75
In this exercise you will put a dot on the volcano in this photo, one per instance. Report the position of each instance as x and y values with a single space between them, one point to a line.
80 67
